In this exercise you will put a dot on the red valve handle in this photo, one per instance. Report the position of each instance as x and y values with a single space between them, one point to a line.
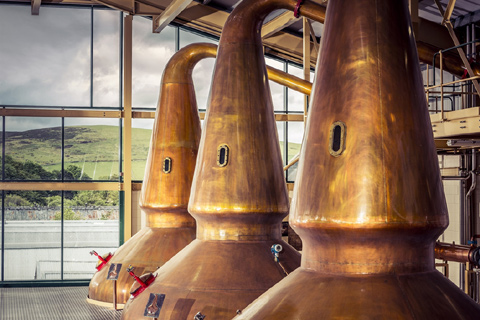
93 252
296 12
130 271
103 260
143 285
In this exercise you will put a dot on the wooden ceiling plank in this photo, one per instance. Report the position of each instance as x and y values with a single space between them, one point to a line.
316 45
279 23
128 7
448 11
170 13
36 7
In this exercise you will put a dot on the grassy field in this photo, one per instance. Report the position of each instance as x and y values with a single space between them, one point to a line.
93 148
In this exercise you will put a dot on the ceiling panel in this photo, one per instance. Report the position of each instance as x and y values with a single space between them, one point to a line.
428 9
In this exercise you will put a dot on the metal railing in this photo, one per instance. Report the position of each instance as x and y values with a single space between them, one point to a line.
448 90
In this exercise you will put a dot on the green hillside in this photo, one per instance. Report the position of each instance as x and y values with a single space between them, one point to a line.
94 149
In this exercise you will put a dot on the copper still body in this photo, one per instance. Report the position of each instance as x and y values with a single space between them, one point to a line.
168 178
451 60
239 195
368 201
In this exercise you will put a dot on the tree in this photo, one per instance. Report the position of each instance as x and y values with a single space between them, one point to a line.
68 214
96 198
28 170
14 200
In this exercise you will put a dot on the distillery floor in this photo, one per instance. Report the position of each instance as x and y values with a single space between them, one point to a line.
51 303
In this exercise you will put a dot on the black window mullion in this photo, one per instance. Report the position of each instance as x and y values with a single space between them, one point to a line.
121 217
62 235
2 271
91 57
62 201
3 237
177 39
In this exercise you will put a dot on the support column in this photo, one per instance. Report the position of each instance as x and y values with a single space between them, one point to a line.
413 6
306 62
127 124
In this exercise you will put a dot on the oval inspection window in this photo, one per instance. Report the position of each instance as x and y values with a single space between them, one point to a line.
167 165
338 133
222 155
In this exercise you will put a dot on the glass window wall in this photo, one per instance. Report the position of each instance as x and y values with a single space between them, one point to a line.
141 134
91 220
91 149
70 57
295 138
33 148
295 98
277 91
45 59
203 71
151 52
33 228
281 130
106 59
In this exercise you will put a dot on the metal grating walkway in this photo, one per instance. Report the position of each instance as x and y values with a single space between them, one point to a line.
51 303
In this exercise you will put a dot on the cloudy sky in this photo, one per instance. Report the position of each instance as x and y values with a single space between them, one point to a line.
45 61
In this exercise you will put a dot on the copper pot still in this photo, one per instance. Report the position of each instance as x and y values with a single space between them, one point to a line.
169 172
168 178
239 195
368 201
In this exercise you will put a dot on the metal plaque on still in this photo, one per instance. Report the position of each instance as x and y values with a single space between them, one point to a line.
114 271
154 305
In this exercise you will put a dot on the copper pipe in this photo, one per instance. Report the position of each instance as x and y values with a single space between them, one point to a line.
292 162
368 202
457 253
164 196
451 61
200 52
239 196
290 81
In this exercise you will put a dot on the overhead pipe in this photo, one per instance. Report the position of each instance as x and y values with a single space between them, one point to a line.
452 62
292 162
368 201
239 196
290 81
458 253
